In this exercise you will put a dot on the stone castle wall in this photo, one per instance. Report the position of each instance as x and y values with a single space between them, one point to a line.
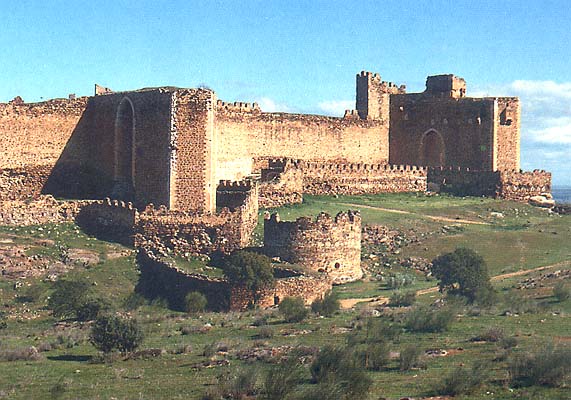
331 245
507 133
463 131
509 185
281 183
244 135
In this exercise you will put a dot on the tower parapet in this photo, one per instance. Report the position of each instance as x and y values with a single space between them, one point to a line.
445 86
373 95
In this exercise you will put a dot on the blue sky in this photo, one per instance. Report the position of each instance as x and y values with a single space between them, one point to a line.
301 56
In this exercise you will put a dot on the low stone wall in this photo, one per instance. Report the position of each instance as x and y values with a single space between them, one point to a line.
110 220
331 245
509 185
20 184
162 279
355 179
282 183
520 186
309 288
43 210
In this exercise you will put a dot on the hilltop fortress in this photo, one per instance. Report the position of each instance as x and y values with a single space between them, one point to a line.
181 171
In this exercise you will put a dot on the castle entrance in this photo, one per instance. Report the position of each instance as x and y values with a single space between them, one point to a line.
124 168
432 151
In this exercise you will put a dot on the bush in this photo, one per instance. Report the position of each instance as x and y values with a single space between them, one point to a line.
326 306
463 272
293 309
134 301
398 281
373 356
492 335
265 332
195 302
234 385
402 299
3 320
21 354
409 357
72 299
549 366
561 291
281 380
114 333
463 380
250 270
337 368
515 303
426 319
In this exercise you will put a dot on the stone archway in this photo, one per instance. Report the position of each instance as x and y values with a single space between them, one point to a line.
124 161
432 149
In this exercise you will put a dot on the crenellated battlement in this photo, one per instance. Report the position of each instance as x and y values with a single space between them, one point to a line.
236 186
237 106
323 244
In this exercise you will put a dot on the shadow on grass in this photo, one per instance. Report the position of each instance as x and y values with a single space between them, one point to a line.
70 357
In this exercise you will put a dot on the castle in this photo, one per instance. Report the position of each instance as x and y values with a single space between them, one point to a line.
182 170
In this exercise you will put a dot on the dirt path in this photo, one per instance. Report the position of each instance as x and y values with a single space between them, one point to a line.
349 303
432 217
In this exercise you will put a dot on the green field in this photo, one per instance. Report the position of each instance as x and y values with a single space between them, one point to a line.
510 236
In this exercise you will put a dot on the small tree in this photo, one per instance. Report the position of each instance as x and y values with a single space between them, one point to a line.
111 332
71 299
326 306
293 309
195 302
463 272
251 270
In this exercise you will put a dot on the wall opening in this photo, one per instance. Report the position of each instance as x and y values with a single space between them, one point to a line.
124 168
432 150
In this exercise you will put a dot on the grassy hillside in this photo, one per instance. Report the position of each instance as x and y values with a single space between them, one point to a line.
204 351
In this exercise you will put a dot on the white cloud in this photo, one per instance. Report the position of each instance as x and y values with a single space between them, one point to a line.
268 105
545 105
336 107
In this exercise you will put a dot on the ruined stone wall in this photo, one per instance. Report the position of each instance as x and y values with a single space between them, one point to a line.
110 220
331 245
520 186
281 183
510 185
42 210
249 134
161 278
464 130
35 134
507 133
352 179
23 183
186 232
194 148
309 288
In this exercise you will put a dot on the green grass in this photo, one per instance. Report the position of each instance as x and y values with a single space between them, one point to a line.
522 239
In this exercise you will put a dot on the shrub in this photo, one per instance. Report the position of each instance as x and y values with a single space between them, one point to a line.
492 335
426 319
337 368
3 320
549 366
409 357
561 291
398 281
134 301
463 272
72 299
250 270
114 333
265 332
234 385
280 380
373 356
293 309
517 304
463 380
402 299
21 354
326 306
195 302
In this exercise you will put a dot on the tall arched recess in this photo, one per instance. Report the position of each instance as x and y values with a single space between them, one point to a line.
124 166
432 149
